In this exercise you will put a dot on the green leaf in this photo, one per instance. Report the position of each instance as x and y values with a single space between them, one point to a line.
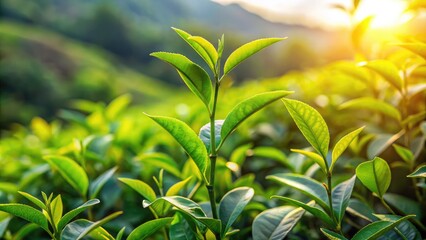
273 154
245 51
405 205
342 144
186 206
418 48
26 212
73 213
314 156
361 210
8 187
204 48
359 31
34 200
120 233
311 124
306 185
341 195
98 183
232 205
405 228
3 225
82 227
161 160
147 229
375 175
404 153
183 229
197 80
387 70
142 188
56 209
188 139
420 172
174 190
117 106
313 210
332 235
276 223
246 108
377 229
71 171
381 143
205 134
24 231
373 104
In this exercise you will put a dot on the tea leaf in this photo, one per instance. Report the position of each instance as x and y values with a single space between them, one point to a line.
404 153
306 185
359 31
420 172
98 183
381 143
232 204
174 190
56 208
361 209
314 156
183 229
313 210
373 105
405 206
147 229
205 134
276 223
405 228
246 108
377 229
375 175
202 47
117 106
142 188
341 146
34 200
197 80
26 212
417 48
245 51
3 225
332 235
161 160
71 171
120 234
188 139
387 70
73 213
341 195
311 124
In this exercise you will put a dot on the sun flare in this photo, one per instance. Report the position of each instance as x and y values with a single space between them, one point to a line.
386 14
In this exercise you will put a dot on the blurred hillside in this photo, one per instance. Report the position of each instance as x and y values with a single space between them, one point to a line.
56 50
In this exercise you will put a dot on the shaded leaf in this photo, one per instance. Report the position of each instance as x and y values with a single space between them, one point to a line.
276 223
306 185
26 212
341 195
182 229
142 188
232 205
246 108
332 235
197 80
361 210
3 225
375 175
420 172
24 231
272 153
381 143
342 144
405 205
373 105
71 171
188 139
205 134
99 182
120 234
73 213
405 228
404 153
245 51
376 229
311 124
148 228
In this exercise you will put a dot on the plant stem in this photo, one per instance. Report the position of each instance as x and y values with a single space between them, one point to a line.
387 206
330 201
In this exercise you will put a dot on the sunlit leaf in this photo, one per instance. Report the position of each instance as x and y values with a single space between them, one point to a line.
417 48
197 80
376 229
245 51
73 213
201 46
205 134
71 171
276 223
359 31
314 156
342 144
387 70
147 229
313 210
117 106
99 182
375 175
332 235
420 172
174 190
341 195
26 212
56 207
246 108
188 139
306 185
232 205
404 153
373 105
142 188
311 124
34 200
161 160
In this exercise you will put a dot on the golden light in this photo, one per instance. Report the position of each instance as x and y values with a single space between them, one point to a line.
387 14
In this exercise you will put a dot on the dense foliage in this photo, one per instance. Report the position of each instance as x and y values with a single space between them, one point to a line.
335 152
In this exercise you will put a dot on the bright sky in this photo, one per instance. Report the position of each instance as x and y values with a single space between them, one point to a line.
319 13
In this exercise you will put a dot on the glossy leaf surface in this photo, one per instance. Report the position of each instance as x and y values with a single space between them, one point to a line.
205 134
26 212
142 188
341 196
376 229
147 229
332 235
342 144
375 175
420 172
96 186
73 213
